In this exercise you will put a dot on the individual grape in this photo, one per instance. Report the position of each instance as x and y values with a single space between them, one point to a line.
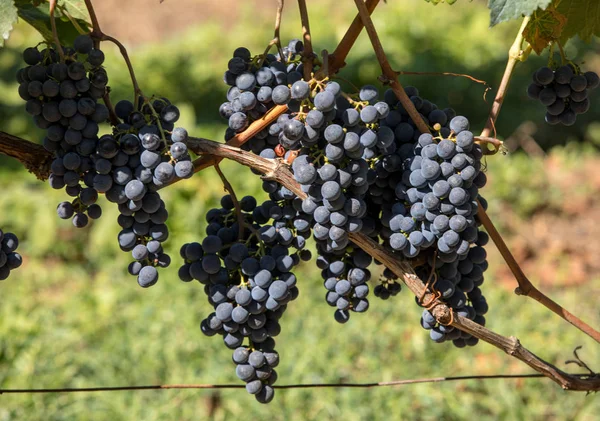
544 76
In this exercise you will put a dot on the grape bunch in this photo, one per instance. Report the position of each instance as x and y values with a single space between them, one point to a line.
257 84
255 367
9 258
360 159
345 275
63 98
144 153
427 194
247 276
563 91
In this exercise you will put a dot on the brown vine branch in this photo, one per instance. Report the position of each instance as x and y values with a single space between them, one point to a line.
33 156
277 170
241 138
112 116
137 92
95 23
515 54
97 35
307 54
337 59
282 386
525 287
236 204
388 72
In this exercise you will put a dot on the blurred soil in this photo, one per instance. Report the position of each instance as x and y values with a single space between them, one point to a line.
164 20
559 245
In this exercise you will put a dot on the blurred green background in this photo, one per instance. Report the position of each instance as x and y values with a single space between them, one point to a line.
72 317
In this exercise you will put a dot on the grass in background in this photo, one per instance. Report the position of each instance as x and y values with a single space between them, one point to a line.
72 317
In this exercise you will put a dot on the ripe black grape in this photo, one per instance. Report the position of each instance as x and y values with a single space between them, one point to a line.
9 258
563 91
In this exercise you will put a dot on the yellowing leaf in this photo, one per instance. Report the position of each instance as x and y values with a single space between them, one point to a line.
544 27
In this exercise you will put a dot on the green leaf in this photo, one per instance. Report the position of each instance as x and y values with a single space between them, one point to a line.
503 10
39 18
76 9
8 16
583 19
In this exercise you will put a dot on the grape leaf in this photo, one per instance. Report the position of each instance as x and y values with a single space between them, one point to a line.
544 27
8 16
39 18
503 10
583 19
76 9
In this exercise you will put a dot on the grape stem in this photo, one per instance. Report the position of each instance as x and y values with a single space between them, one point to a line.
236 204
563 56
515 54
98 36
389 75
337 59
307 54
525 287
137 92
73 21
112 116
61 53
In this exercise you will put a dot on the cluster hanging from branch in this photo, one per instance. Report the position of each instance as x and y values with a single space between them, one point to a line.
391 181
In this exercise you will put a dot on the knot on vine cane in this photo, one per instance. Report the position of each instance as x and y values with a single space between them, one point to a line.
433 300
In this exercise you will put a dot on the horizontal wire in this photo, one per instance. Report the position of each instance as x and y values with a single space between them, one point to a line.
284 386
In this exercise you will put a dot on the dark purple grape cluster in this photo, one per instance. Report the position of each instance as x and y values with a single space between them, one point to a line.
367 168
424 203
144 153
257 84
364 168
9 258
247 275
255 366
345 275
63 98
563 91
